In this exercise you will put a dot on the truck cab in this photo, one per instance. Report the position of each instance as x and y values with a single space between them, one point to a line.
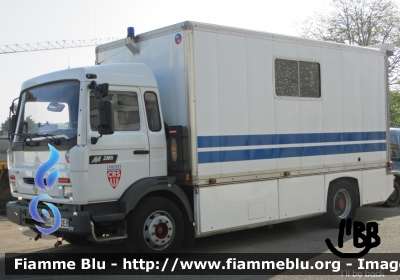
95 171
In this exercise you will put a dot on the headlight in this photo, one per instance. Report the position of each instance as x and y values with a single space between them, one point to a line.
67 191
10 158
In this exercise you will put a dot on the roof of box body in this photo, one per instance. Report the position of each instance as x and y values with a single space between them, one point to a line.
205 27
123 74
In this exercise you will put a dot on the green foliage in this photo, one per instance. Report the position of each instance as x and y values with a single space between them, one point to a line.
362 23
394 97
5 125
32 126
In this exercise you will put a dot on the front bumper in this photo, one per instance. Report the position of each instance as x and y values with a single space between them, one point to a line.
78 224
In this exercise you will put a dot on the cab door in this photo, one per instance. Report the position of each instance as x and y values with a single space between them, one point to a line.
156 134
118 160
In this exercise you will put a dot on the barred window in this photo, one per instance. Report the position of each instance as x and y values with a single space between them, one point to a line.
295 78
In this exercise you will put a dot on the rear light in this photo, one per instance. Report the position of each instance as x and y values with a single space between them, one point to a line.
12 177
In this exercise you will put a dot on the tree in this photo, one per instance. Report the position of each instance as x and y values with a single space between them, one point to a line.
31 125
394 109
5 125
362 23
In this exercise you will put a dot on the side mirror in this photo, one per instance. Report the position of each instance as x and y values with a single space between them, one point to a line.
12 108
102 90
11 127
106 117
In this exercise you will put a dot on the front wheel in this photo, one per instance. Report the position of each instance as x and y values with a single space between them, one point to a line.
155 226
341 203
394 198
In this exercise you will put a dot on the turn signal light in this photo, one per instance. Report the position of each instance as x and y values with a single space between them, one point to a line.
64 180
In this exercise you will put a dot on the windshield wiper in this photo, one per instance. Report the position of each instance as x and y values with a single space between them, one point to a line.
25 137
51 137
28 139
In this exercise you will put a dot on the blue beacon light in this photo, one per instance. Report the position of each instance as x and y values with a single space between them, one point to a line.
131 32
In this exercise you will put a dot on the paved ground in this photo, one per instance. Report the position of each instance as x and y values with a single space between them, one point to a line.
305 236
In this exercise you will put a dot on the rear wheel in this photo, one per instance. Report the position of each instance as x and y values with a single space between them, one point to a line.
155 226
394 198
341 203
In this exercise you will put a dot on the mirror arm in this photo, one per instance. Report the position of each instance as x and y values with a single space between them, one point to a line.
93 86
94 140
100 92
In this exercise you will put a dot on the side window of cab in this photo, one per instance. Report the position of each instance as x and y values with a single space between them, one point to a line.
126 110
152 111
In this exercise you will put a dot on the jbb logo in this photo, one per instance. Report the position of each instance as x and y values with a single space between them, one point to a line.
371 233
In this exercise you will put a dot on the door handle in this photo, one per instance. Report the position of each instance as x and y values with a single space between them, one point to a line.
141 152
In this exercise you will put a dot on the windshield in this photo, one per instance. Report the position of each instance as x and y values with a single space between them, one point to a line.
49 111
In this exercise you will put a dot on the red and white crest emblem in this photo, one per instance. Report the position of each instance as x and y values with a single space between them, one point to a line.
114 175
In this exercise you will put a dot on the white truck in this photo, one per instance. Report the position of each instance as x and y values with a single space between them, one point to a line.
196 129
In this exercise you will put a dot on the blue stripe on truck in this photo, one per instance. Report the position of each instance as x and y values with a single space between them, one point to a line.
281 139
273 153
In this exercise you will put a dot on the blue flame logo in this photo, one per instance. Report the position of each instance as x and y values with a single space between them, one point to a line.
39 182
45 167
35 215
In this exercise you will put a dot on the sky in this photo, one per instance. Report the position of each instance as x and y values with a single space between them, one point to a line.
44 20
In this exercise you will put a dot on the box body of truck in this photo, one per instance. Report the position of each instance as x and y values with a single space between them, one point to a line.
216 129
250 128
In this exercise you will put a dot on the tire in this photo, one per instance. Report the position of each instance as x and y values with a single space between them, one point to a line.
341 203
394 198
155 226
79 241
